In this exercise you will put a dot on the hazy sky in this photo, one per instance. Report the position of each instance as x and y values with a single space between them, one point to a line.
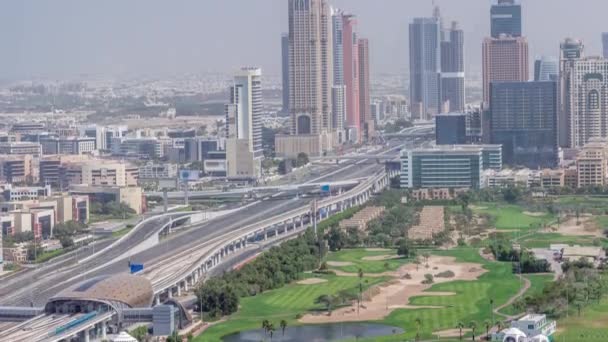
65 38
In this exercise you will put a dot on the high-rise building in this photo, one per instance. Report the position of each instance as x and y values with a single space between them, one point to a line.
504 59
425 67
310 81
285 70
605 44
546 69
351 76
244 150
571 50
506 18
452 69
451 129
338 89
366 121
524 121
587 99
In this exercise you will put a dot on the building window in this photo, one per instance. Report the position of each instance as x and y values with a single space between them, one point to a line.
593 100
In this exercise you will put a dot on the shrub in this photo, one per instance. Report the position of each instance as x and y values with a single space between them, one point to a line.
428 279
445 274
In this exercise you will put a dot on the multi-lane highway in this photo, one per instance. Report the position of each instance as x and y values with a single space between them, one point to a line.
35 287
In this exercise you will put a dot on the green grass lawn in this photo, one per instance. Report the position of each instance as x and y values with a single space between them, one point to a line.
509 216
592 326
543 240
48 255
122 232
284 303
537 284
355 256
585 201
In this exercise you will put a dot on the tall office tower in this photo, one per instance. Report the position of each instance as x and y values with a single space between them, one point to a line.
425 67
587 99
351 76
504 59
524 121
285 70
338 89
365 109
310 80
506 18
451 129
605 44
571 50
546 69
244 150
452 69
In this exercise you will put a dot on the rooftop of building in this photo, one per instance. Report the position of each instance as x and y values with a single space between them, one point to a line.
134 291
533 317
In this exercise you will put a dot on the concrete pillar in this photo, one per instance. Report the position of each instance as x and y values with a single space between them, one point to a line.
186 285
157 299
103 331
179 290
87 333
170 293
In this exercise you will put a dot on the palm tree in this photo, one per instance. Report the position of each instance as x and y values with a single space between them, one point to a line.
265 325
460 326
426 256
417 262
271 330
360 289
473 326
492 308
283 325
499 325
418 325
488 325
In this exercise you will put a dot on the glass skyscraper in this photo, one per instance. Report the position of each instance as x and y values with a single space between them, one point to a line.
506 18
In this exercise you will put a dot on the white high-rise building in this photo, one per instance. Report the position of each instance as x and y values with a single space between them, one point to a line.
339 89
587 103
310 81
244 149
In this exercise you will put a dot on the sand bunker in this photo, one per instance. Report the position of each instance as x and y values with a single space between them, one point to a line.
535 214
475 207
377 249
586 226
396 294
450 332
380 257
312 281
339 263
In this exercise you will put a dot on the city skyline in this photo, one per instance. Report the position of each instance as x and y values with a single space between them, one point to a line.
41 42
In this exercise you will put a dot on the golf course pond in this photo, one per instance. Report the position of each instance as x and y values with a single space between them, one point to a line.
316 333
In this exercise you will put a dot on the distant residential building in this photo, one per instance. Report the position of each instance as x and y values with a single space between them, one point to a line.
339 88
546 69
452 70
592 163
21 147
505 59
587 100
158 171
244 151
425 67
505 18
132 196
17 168
67 145
571 50
523 119
458 166
451 129
310 82
366 121
285 71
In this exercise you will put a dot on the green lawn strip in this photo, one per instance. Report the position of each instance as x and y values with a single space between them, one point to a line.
470 302
122 232
48 255
582 201
591 326
284 303
510 216
355 256
544 240
537 283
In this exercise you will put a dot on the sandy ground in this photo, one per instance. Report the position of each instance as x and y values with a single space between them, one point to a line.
587 226
450 332
377 249
396 294
339 263
312 281
535 214
380 257
475 207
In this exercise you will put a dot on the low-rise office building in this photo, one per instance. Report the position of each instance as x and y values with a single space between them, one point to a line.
17 169
592 163
158 171
21 147
67 145
132 196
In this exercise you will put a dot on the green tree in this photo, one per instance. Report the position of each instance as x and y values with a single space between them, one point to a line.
66 242
139 333
460 326
473 326
487 324
336 239
265 325
271 330
404 248
283 325
301 159
418 326
360 274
